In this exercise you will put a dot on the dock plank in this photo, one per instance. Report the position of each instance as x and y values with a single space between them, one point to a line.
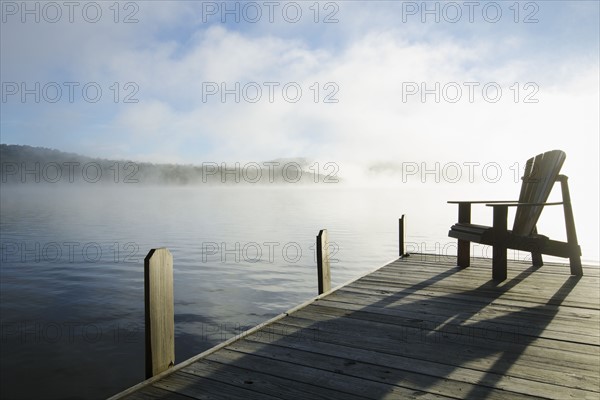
400 372
198 387
461 351
345 386
401 361
248 375
517 317
414 319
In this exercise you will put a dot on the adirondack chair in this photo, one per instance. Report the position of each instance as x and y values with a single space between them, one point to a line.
541 172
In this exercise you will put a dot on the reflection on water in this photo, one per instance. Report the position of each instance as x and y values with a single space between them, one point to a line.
72 269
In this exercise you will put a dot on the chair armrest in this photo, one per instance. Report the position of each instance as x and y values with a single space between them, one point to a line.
517 204
479 201
562 178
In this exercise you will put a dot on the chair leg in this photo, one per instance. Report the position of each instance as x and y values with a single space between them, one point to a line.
536 256
463 253
499 263
536 259
463 258
575 258
575 262
499 260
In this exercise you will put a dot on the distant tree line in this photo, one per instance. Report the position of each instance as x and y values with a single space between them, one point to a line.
38 165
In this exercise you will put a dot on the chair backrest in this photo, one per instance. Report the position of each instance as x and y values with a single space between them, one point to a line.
540 174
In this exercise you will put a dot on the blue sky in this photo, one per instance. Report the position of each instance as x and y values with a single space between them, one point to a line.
366 55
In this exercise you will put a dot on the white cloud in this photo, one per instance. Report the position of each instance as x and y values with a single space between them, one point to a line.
371 121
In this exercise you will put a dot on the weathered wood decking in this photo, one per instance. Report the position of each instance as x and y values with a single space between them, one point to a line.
417 327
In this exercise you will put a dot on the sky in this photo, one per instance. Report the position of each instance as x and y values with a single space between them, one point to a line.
361 84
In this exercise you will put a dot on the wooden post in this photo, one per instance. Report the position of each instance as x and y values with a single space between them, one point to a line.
401 248
323 273
160 322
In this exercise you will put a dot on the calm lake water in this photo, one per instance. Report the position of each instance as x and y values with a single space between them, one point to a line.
72 312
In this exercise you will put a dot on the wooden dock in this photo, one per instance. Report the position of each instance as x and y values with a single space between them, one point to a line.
417 327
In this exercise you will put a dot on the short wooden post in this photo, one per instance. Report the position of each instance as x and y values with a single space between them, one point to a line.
323 273
401 247
160 322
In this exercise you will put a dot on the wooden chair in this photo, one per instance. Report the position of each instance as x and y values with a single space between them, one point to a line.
540 174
